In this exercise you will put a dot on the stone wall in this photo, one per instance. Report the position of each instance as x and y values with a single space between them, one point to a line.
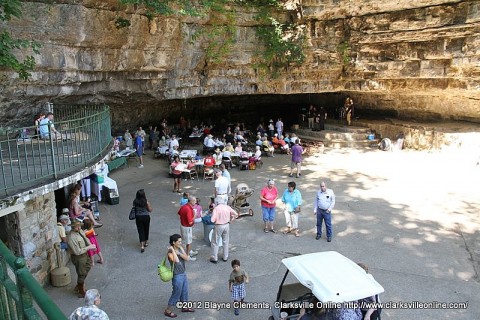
455 136
34 233
416 58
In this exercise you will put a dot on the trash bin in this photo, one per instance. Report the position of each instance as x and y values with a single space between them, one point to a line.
208 226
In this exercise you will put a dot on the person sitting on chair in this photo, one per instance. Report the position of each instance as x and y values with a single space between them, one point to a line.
229 148
275 141
258 142
240 138
209 144
238 148
267 147
256 155
284 145
209 161
218 156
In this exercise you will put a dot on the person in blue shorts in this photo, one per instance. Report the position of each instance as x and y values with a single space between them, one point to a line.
139 149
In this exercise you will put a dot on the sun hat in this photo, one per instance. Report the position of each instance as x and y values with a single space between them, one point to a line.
64 217
76 223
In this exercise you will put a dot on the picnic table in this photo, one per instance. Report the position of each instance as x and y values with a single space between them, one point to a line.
185 154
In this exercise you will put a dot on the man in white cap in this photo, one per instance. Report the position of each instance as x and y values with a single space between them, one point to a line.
62 225
221 216
271 128
209 144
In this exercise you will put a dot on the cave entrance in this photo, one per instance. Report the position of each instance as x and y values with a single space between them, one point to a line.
254 109
251 110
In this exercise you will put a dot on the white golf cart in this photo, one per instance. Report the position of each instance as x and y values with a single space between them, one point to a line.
326 277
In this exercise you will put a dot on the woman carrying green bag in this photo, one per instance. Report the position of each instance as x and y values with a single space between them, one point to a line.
177 257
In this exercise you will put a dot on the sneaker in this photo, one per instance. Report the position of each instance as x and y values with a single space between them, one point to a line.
140 166
237 311
193 253
192 258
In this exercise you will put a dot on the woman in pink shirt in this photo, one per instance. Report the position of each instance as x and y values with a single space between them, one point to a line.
177 173
268 197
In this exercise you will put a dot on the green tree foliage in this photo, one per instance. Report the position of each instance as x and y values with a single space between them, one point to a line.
283 42
8 45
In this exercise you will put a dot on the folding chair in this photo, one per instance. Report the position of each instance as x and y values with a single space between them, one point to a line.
193 174
208 173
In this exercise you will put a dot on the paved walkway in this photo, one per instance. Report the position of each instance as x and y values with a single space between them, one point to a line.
412 217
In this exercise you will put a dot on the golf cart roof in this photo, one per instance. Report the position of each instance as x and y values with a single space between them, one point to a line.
332 277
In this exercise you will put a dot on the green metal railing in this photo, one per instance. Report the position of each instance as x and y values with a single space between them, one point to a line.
20 295
27 159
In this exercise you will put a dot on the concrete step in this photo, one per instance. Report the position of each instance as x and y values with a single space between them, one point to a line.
343 128
338 135
360 144
339 143
331 135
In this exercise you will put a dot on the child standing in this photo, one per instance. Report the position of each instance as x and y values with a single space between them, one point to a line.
90 233
236 284
198 211
184 199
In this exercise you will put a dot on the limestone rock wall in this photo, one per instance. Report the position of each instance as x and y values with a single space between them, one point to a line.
417 58
449 136
32 233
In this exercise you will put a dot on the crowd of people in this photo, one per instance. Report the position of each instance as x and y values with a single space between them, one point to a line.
218 156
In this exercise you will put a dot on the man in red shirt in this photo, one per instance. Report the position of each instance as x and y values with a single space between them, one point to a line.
221 216
186 225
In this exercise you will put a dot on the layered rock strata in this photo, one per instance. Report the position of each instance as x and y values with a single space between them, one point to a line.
418 59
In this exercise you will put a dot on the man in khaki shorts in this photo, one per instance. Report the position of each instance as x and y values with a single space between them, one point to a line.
186 225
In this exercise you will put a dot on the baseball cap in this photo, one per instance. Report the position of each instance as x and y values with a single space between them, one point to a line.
64 217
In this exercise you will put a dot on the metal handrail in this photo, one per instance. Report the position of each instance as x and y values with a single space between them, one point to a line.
28 159
17 295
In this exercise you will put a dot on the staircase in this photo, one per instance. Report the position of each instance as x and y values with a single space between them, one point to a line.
337 136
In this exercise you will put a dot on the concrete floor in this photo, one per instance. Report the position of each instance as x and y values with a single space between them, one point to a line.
412 217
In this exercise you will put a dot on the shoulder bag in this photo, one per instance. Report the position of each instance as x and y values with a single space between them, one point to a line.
165 272
132 214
